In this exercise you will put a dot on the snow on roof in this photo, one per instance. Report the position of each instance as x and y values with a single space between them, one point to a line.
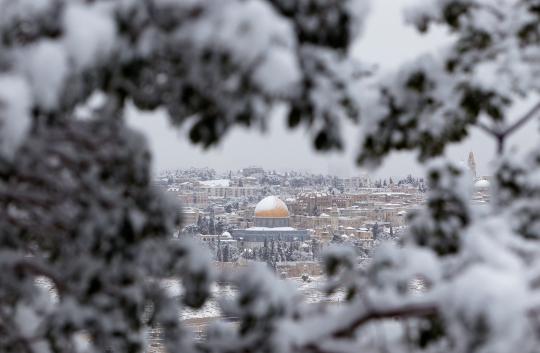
313 194
216 183
271 229
390 193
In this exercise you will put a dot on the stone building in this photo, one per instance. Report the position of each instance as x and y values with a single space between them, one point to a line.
313 202
271 220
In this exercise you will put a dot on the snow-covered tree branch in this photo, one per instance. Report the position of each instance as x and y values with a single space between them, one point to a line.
78 210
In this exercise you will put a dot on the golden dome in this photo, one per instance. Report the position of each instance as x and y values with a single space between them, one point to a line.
271 207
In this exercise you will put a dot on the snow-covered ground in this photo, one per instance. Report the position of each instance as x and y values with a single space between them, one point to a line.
311 292
198 320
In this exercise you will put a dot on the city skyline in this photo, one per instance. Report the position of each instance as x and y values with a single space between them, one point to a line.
282 148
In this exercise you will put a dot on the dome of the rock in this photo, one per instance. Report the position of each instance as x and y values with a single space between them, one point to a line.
271 207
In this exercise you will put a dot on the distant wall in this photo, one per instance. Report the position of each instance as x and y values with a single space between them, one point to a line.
297 269
290 269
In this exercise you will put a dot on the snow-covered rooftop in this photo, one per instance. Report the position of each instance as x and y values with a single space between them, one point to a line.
271 229
216 183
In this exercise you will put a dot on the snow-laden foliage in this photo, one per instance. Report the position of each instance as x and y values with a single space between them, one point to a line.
214 63
78 211
446 214
491 63
85 239
462 279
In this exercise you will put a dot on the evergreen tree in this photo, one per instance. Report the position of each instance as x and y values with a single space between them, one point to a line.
190 229
204 226
211 223
289 251
219 254
265 251
280 251
375 231
315 249
211 226
199 223
226 253
272 249
220 226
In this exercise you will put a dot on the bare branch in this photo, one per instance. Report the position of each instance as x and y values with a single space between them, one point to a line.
407 311
501 136
400 312
487 129
530 114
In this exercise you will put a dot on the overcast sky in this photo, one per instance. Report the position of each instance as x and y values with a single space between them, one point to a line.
386 42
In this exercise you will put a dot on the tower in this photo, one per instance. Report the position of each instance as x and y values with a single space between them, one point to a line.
472 164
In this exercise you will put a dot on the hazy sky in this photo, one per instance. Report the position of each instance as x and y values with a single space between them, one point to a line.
386 42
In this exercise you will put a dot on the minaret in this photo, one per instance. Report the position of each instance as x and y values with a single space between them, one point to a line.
472 164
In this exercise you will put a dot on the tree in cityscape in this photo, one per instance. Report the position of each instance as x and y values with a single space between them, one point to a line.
280 251
225 252
375 231
219 249
191 229
289 252
212 225
264 251
315 249
200 223
204 226
220 226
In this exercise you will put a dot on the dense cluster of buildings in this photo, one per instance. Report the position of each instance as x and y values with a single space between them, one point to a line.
253 208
